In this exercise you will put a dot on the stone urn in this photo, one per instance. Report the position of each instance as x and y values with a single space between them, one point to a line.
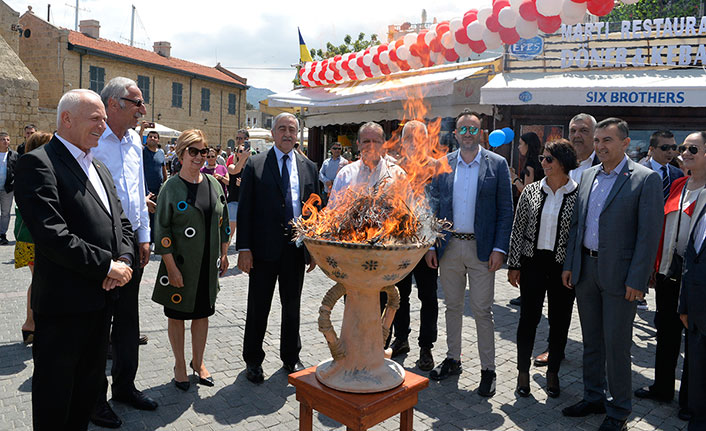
361 271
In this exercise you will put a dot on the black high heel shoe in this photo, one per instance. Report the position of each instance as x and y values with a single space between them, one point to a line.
208 381
523 386
184 386
27 337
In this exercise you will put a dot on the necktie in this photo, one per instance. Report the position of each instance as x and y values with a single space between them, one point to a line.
665 182
288 211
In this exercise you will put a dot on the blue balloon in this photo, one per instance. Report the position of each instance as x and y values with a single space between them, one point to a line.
496 138
509 134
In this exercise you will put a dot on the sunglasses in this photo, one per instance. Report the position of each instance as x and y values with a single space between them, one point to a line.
667 147
137 102
193 152
473 130
335 149
693 149
548 159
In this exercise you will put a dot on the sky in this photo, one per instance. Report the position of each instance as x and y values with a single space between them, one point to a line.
257 40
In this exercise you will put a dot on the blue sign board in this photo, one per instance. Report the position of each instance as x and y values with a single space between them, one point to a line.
527 49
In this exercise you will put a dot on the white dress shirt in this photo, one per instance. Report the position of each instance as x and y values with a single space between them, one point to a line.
575 174
549 220
464 194
84 161
358 174
293 178
123 158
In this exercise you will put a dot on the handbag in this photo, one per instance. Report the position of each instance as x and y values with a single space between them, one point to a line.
675 267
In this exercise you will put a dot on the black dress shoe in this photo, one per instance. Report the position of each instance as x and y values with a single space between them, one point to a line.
426 359
105 417
137 399
208 381
583 408
142 340
293 368
648 393
553 389
399 347
684 414
613 424
254 374
523 386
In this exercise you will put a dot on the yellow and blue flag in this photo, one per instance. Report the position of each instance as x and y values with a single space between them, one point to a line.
304 55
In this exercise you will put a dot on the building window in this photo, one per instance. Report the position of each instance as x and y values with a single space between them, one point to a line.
205 99
177 89
97 78
143 83
231 104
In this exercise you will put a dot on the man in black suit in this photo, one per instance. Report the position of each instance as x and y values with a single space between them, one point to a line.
83 251
273 186
8 160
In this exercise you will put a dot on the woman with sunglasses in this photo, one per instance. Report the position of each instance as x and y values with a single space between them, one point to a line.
191 234
678 210
540 232
219 172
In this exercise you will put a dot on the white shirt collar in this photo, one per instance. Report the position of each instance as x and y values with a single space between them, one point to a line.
569 187
475 160
75 151
279 153
589 160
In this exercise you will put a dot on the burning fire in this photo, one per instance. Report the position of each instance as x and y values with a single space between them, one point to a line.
395 210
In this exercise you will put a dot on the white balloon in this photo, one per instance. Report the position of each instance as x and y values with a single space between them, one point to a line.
375 69
484 14
429 36
410 39
455 25
403 53
415 62
367 59
526 29
573 10
507 17
474 31
463 50
437 57
569 20
394 68
384 57
329 75
339 65
549 7
447 40
492 40
351 63
374 49
515 5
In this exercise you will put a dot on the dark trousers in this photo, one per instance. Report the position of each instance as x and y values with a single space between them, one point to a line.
426 292
125 335
69 362
541 274
288 272
669 335
697 378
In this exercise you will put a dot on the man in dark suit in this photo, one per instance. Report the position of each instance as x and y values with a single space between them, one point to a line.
692 311
8 160
477 197
273 186
663 149
83 250
615 231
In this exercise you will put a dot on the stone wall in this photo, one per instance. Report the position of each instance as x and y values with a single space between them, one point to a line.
8 18
18 95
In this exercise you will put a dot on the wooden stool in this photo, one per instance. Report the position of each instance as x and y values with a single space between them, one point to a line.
357 412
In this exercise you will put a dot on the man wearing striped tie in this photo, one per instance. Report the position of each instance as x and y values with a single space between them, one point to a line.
663 148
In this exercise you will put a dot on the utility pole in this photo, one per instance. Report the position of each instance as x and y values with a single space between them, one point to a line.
132 26
76 17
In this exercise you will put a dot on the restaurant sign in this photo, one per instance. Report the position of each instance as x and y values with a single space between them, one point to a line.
654 54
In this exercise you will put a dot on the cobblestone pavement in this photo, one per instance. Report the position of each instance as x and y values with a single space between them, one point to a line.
234 403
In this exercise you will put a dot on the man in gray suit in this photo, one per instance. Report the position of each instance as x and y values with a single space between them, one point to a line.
615 231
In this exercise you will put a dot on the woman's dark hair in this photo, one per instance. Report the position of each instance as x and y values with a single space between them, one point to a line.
533 145
564 152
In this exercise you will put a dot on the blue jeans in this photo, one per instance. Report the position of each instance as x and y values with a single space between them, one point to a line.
5 208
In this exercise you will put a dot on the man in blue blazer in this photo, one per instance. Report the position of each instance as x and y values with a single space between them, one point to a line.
613 240
477 197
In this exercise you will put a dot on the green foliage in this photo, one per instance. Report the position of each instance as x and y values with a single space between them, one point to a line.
348 45
249 106
650 9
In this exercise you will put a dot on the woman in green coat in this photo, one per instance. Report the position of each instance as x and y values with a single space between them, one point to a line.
191 234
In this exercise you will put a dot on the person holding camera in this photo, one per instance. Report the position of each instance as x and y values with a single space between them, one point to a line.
235 169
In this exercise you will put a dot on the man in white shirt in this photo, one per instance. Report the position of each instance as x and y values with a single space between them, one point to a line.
330 167
581 130
8 159
120 149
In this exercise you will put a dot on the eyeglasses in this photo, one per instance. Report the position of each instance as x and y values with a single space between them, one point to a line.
239 138
473 130
667 147
193 152
693 149
335 149
210 157
137 102
548 159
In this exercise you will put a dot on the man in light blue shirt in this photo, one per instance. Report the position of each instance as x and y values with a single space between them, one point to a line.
330 168
120 149
8 158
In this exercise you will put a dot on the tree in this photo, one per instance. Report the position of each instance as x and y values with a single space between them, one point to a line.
249 106
649 9
348 45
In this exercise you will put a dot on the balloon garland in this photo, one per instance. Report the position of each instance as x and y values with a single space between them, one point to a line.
477 31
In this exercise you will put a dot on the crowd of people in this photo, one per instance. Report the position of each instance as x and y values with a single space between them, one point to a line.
577 221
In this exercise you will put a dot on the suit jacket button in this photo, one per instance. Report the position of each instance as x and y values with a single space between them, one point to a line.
282 205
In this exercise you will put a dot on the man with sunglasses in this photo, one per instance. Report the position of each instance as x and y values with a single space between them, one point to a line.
477 197
120 149
663 148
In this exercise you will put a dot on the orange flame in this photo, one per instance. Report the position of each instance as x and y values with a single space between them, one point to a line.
396 208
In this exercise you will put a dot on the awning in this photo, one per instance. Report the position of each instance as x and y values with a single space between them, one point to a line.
164 131
446 90
645 88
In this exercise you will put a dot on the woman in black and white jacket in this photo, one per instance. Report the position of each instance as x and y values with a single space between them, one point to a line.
540 232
